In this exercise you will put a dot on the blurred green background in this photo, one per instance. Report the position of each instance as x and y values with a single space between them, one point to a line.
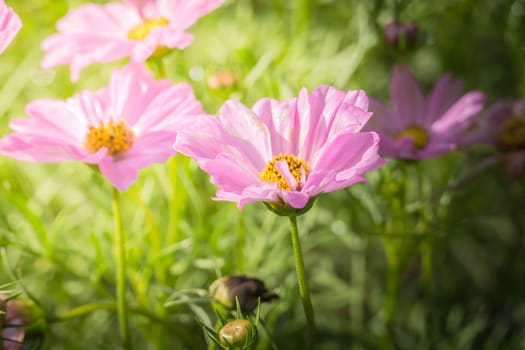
56 221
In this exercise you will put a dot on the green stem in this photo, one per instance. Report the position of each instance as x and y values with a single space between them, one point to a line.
211 344
392 295
426 256
304 292
157 66
392 250
81 311
122 306
174 207
89 308
239 246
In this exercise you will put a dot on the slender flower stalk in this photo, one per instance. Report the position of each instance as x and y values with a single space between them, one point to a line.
239 245
426 253
392 296
120 250
304 291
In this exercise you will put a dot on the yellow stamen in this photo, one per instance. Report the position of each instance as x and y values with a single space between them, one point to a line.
141 31
271 174
116 137
417 134
512 134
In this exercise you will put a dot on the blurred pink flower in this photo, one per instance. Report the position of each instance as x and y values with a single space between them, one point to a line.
10 24
12 333
503 125
419 127
284 152
131 28
123 127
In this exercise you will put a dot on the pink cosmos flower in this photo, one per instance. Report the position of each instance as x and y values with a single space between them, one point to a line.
131 28
503 125
12 333
419 127
10 24
122 128
284 152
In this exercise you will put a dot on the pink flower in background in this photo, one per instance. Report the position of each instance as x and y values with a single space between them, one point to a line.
10 24
284 152
122 128
503 125
133 28
13 333
419 127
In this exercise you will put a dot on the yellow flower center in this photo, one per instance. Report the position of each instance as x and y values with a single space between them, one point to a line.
116 137
142 31
512 134
296 166
417 134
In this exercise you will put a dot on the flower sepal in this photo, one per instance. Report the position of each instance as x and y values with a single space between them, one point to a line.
283 209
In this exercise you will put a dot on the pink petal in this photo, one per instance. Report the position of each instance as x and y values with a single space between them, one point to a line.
201 139
130 90
352 113
109 20
342 161
326 111
284 169
171 108
92 106
444 94
159 37
231 173
186 13
297 200
122 171
43 149
407 97
383 119
248 133
280 119
435 147
261 193
459 116
120 174
401 148
10 24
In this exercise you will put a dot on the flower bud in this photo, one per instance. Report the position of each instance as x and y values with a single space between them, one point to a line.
21 323
222 80
12 318
237 333
401 34
246 290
